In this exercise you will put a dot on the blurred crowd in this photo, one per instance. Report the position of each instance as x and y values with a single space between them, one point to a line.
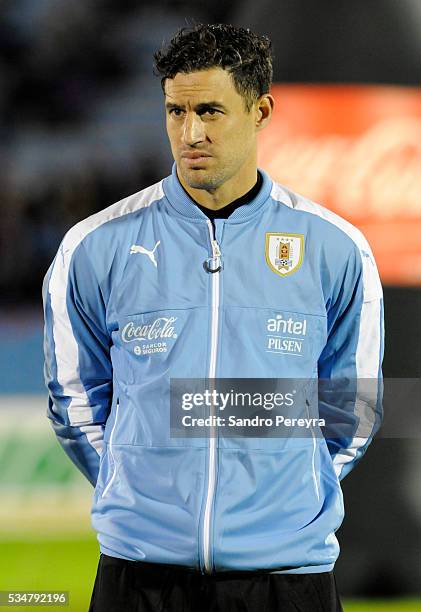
80 121
81 114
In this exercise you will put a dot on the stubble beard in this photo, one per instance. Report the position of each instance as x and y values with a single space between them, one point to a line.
201 178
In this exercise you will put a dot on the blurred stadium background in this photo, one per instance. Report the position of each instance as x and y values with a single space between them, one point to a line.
82 126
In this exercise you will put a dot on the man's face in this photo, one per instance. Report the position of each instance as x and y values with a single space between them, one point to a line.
212 135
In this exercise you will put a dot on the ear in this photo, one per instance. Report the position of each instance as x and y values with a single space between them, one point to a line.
263 109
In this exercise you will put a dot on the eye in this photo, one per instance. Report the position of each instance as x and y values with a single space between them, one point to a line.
177 112
209 112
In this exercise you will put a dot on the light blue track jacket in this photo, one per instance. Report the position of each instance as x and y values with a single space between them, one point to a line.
132 299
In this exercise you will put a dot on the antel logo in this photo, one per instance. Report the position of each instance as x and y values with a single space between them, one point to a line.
160 328
286 336
287 326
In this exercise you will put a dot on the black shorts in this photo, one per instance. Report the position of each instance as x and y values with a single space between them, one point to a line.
135 586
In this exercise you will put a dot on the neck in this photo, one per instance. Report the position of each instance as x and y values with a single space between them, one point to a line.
226 193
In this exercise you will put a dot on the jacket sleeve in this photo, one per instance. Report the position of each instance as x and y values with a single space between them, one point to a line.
77 365
349 368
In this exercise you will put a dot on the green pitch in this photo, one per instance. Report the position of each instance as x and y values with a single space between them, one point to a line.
70 565
396 605
54 565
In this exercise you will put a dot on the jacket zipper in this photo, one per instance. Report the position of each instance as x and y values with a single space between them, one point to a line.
216 262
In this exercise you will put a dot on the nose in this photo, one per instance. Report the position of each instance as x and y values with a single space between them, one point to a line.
193 130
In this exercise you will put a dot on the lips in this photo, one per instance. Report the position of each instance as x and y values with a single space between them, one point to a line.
195 155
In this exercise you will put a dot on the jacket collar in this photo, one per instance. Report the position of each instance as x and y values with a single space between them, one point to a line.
185 206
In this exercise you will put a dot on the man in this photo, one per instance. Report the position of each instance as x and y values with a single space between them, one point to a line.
215 271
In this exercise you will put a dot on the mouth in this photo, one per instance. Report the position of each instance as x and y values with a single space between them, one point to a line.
195 158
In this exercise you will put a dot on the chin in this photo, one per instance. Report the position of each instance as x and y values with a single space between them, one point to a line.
200 179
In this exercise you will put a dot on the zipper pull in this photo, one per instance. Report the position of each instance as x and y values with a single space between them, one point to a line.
215 249
213 264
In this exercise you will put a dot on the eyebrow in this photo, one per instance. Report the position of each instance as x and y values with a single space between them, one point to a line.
199 107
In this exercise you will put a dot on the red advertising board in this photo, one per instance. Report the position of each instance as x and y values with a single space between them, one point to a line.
357 151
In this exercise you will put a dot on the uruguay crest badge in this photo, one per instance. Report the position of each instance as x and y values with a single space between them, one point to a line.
284 252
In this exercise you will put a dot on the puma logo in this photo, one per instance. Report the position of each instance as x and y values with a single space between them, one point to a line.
136 248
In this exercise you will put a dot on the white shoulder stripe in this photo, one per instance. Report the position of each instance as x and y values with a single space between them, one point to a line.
136 201
371 280
66 348
299 202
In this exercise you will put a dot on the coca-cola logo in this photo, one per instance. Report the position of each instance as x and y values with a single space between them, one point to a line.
372 174
160 328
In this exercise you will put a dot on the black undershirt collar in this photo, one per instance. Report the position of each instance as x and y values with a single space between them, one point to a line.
226 211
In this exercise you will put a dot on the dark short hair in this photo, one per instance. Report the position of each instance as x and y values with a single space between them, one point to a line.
245 55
